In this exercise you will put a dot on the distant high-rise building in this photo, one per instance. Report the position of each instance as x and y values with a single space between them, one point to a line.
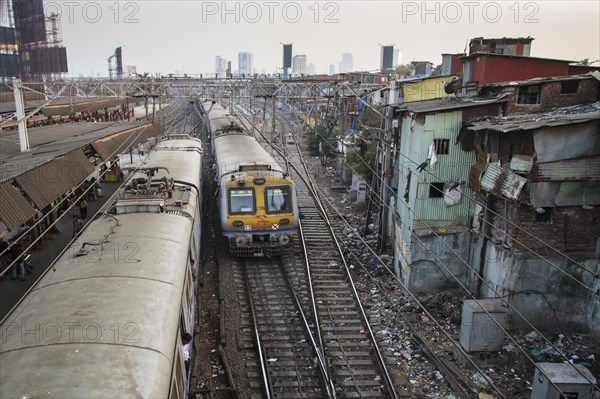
331 70
245 63
228 70
312 69
397 57
346 64
30 42
287 56
299 64
220 66
387 58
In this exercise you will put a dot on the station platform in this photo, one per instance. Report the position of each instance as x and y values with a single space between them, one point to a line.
52 243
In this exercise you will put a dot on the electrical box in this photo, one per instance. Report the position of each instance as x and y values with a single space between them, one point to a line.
361 195
478 331
573 380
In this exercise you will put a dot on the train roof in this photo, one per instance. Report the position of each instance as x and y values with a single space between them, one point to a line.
177 161
106 320
235 151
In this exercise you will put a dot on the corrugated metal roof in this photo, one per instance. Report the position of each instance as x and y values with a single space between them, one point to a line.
569 169
542 194
454 103
521 163
501 181
49 142
559 117
39 184
82 105
578 193
109 147
15 209
46 182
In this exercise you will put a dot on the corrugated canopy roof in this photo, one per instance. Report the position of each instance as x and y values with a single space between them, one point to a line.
445 104
111 146
49 142
66 108
57 162
558 117
15 209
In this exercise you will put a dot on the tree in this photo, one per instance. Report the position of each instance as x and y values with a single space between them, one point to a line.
437 71
321 134
361 158
403 69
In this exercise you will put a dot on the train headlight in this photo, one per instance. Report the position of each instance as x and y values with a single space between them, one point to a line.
259 180
284 239
284 221
241 182
237 223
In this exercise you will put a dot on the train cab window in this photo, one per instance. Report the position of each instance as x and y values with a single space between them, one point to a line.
279 199
241 201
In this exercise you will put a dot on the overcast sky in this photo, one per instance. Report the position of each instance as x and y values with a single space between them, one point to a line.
185 36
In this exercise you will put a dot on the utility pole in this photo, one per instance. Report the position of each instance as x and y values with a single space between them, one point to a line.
386 166
20 108
273 118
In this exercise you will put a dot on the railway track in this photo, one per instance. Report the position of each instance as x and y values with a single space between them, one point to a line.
355 363
287 362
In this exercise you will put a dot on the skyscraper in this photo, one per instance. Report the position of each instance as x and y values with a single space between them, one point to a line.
397 57
220 66
245 63
387 58
299 64
346 64
312 69
30 42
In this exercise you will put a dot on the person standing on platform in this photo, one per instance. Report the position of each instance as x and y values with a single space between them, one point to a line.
83 208
15 251
77 226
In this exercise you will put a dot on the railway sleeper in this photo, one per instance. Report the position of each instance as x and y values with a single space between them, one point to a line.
363 394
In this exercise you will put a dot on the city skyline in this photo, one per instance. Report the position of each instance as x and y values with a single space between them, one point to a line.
158 37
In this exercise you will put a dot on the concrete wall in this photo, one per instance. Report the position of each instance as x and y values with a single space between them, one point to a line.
544 295
427 272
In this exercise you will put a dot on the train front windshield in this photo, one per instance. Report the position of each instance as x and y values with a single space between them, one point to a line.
241 201
278 199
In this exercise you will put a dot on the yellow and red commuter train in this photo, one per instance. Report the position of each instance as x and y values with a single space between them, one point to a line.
257 199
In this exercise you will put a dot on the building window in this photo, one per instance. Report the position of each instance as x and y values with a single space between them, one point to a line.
436 190
441 146
543 217
569 87
531 94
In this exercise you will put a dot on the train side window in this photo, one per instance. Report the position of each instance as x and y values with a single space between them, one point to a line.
278 199
241 201
178 378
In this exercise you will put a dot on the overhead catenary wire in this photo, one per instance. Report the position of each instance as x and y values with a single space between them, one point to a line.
382 181
480 277
490 287
500 297
9 313
33 226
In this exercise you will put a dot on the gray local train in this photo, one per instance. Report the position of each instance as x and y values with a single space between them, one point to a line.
111 317
257 199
